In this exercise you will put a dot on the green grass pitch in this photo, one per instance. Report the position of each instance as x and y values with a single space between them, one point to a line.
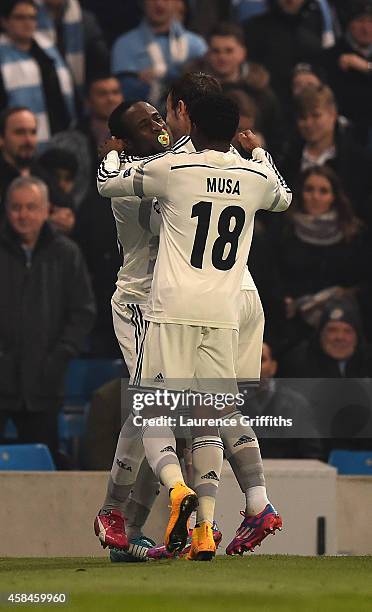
260 584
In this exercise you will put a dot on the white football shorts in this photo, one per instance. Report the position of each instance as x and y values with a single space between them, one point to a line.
179 357
251 330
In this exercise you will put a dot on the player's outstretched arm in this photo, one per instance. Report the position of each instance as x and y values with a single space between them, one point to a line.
108 169
279 195
120 175
110 173
141 178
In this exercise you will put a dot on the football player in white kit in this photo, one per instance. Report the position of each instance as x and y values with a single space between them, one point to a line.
220 187
141 131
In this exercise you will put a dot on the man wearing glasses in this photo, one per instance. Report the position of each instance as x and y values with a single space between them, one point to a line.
31 76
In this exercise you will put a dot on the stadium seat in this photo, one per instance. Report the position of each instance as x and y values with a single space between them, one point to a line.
10 431
72 424
26 457
71 427
352 462
84 377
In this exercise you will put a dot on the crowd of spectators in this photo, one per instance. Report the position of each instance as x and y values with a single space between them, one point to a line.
301 74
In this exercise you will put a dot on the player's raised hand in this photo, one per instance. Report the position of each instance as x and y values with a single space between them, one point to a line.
249 140
111 144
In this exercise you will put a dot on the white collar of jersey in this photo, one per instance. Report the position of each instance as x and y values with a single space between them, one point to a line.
220 158
184 141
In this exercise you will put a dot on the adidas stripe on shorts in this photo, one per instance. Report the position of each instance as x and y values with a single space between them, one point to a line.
128 326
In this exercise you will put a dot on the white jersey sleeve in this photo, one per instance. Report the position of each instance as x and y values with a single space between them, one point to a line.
278 195
143 179
115 166
110 174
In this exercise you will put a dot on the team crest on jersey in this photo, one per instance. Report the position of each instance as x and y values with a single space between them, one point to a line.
127 172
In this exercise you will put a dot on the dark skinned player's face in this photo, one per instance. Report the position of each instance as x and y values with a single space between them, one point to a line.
148 130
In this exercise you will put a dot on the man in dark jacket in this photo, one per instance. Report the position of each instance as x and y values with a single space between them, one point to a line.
46 311
296 437
103 259
337 350
291 31
349 68
336 359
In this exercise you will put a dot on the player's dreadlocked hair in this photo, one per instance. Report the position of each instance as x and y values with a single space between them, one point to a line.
192 87
216 117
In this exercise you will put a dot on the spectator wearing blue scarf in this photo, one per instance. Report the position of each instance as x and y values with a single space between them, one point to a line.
78 37
148 57
31 76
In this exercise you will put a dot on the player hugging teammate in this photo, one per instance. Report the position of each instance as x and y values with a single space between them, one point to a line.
191 321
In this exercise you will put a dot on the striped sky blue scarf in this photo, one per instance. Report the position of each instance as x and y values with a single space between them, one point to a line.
73 37
328 35
178 53
23 84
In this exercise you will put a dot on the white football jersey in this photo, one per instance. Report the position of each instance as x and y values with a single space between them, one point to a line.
140 249
139 246
208 201
155 220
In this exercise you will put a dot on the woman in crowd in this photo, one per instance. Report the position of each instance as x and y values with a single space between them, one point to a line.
321 249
